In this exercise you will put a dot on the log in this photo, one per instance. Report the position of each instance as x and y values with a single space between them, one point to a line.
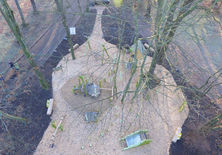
148 47
54 134
49 111
75 47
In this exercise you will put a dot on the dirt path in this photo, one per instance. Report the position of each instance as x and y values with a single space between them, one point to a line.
159 114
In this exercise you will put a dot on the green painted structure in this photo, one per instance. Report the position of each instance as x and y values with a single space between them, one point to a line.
135 139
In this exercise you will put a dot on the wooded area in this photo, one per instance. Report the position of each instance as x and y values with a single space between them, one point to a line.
179 36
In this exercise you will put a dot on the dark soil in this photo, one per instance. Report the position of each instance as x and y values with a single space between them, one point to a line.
193 141
24 97
115 27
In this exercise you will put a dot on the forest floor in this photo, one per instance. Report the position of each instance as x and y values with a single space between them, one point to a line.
24 97
10 49
47 36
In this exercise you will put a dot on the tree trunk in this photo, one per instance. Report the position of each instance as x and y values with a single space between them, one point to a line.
20 12
34 6
59 4
148 10
79 5
163 39
87 5
9 17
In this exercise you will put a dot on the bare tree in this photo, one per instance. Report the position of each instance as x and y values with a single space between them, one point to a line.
148 9
168 18
20 12
59 4
34 6
166 25
9 17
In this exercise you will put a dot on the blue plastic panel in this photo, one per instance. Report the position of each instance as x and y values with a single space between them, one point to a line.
133 140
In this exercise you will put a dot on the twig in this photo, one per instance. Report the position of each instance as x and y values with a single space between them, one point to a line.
54 134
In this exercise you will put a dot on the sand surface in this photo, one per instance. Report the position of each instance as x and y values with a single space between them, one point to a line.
156 111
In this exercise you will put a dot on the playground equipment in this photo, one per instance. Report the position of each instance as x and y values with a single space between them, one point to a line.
135 139
86 88
91 116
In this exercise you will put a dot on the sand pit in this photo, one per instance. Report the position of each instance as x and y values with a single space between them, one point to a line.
156 111
78 100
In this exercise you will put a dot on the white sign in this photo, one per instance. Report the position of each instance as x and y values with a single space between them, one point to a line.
72 30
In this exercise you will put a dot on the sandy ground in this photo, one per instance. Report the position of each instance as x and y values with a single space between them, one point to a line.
158 113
